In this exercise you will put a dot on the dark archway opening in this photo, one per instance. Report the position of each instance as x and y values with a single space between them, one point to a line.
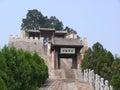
70 59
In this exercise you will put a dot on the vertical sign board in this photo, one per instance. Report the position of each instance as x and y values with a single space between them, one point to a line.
67 50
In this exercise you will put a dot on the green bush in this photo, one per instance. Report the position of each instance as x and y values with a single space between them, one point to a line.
115 82
22 70
98 59
2 84
103 63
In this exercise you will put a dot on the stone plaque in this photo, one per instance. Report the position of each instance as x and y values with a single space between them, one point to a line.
67 51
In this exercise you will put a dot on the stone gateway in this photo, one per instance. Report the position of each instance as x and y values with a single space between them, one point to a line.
48 42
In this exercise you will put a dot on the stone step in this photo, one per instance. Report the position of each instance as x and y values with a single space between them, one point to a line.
68 72
82 85
69 86
57 85
68 80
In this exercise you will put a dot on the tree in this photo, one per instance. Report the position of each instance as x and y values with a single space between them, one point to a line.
2 84
115 71
55 23
115 82
21 70
103 63
87 62
35 20
98 59
70 30
115 68
3 71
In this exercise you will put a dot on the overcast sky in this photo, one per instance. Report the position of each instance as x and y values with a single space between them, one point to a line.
98 20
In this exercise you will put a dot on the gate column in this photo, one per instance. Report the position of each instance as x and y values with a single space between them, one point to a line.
74 62
53 60
78 60
56 60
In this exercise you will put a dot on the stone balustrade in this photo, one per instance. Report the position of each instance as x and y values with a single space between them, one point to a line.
96 82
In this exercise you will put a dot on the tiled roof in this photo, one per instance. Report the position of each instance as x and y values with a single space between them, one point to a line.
66 42
32 30
63 32
41 29
49 29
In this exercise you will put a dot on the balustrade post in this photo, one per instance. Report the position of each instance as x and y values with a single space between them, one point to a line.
102 84
97 82
91 79
106 85
111 88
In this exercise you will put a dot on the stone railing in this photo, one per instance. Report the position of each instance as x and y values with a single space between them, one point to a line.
96 82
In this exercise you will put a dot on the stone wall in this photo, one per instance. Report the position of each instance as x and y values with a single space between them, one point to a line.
29 44
71 36
32 45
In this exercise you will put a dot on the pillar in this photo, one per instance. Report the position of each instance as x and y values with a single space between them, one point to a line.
48 49
78 61
74 62
56 59
53 60
59 63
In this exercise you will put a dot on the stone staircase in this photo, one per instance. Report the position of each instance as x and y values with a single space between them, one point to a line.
68 83
69 74
71 83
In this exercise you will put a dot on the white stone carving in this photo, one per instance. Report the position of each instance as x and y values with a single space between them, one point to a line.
111 88
96 83
91 79
84 75
106 85
102 84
